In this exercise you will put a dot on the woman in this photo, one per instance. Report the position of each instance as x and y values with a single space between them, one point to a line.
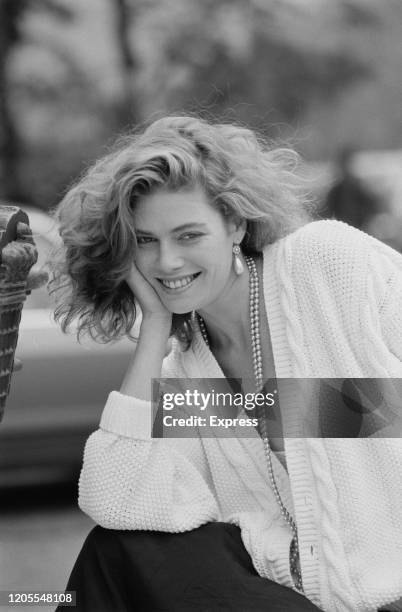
204 228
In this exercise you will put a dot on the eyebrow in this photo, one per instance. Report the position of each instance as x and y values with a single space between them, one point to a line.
179 228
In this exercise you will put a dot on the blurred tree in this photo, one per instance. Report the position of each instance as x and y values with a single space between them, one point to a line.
358 15
127 111
12 13
73 74
62 117
253 57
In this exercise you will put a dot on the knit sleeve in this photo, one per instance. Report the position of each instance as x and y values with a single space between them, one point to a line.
387 271
322 269
331 255
131 481
356 282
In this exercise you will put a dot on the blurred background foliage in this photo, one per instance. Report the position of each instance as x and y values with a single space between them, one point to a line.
73 74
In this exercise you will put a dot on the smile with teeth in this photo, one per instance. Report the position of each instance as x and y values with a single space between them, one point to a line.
179 283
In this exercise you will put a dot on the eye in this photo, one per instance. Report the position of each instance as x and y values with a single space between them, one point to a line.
190 236
141 240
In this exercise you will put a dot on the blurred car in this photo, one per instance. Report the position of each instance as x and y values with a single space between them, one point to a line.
56 400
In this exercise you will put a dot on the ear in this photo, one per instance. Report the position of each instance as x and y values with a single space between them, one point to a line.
238 229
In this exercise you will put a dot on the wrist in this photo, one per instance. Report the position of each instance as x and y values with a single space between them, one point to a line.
157 322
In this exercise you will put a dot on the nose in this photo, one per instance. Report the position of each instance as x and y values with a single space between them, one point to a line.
170 258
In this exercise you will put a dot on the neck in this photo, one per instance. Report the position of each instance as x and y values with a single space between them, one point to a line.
227 320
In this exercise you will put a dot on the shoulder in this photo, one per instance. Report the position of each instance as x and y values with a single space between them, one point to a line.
333 255
330 245
339 242
324 258
327 234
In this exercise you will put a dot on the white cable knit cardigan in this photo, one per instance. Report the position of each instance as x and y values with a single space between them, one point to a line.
334 304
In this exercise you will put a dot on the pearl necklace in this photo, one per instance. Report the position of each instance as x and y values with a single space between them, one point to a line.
258 375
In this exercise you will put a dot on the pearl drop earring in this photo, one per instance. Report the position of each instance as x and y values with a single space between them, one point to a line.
237 262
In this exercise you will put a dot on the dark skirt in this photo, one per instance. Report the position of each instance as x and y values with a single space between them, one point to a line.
207 569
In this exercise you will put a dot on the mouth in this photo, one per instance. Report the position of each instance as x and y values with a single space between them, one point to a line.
180 284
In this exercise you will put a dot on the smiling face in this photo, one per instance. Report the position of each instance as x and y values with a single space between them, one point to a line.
184 248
